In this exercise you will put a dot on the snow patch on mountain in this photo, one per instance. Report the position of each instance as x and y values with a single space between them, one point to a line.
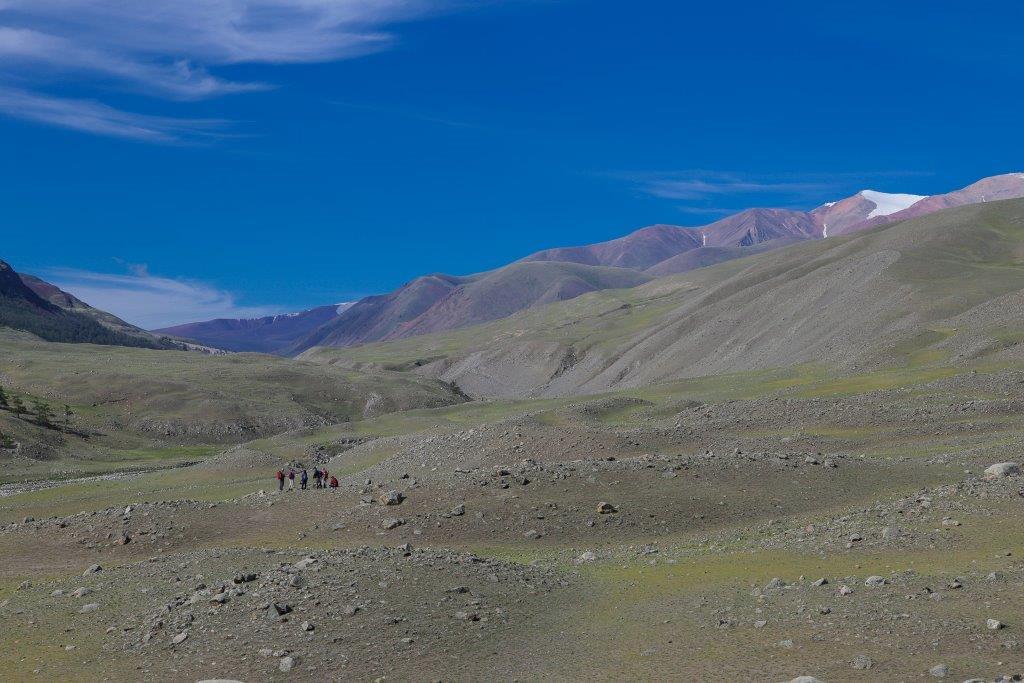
887 204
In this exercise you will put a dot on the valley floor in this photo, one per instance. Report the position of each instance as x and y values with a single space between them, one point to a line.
730 500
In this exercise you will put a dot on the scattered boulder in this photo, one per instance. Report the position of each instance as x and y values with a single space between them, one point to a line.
391 498
994 624
390 523
278 609
876 581
92 570
180 638
288 663
863 662
939 671
1001 470
606 508
93 606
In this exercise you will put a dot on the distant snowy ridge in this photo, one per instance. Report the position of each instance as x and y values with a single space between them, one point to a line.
887 204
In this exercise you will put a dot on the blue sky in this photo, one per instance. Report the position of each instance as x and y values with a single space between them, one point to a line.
190 159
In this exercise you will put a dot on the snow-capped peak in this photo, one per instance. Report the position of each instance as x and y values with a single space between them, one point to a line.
887 204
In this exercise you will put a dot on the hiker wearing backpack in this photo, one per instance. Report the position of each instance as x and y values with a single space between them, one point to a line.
280 480
304 479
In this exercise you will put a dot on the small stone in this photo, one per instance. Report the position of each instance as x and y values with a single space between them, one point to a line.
349 610
288 663
876 581
760 623
458 510
391 498
92 570
91 607
845 590
606 508
306 626
180 638
939 671
305 563
994 624
390 523
863 662
467 616
588 556
296 581
820 582
81 592
775 584
277 610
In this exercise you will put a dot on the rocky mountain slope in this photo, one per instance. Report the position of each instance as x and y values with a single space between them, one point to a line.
947 284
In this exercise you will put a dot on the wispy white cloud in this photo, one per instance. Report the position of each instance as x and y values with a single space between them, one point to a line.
95 117
167 48
782 189
691 187
152 301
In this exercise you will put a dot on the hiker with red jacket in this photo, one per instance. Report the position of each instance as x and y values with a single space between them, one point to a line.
334 482
280 480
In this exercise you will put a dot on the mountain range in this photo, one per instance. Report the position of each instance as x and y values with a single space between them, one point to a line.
945 286
438 302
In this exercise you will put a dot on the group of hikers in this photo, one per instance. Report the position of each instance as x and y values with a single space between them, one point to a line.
319 476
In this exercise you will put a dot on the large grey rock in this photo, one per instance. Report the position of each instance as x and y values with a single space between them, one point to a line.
1002 469
391 498
939 671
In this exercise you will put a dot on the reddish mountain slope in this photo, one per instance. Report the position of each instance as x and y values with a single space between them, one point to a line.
440 302
640 249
